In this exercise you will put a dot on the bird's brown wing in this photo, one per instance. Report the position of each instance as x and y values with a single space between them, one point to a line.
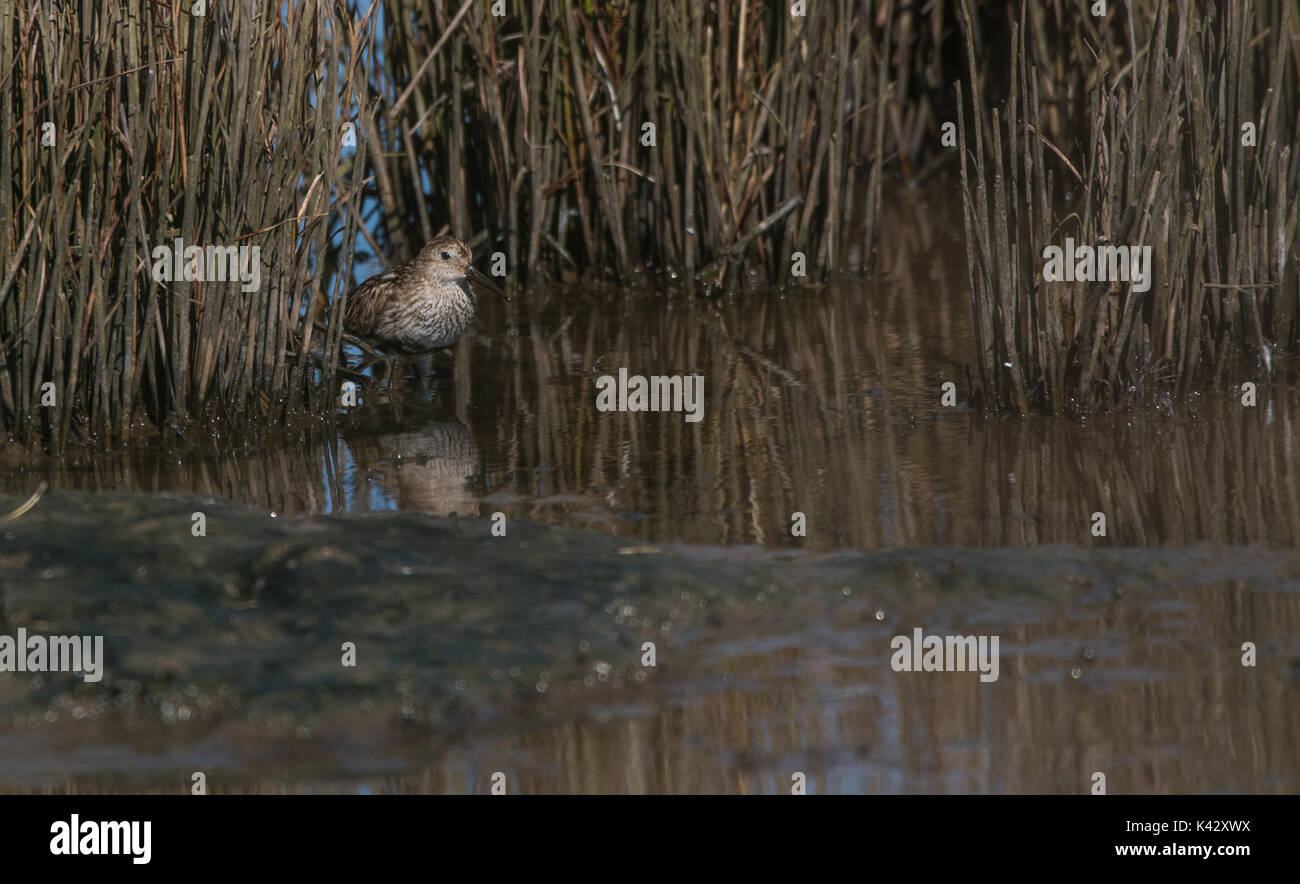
367 304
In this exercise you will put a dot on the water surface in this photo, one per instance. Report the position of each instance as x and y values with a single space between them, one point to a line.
522 654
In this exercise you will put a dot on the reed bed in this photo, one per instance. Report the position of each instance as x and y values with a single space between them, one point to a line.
219 130
1157 160
612 138
529 131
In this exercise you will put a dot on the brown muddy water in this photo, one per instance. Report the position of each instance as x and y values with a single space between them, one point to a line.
523 654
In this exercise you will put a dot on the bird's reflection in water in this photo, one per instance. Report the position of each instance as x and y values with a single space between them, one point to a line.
424 464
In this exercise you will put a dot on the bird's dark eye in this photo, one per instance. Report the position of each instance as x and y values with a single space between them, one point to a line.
446 256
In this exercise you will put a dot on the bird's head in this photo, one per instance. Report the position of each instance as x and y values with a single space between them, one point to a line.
445 257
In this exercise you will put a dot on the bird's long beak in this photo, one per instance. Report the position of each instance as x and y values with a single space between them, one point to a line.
484 281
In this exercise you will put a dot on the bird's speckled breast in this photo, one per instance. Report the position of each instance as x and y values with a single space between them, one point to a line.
432 321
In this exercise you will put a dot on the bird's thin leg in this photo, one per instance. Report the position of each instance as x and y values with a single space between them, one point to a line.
372 357
360 344
353 373
424 376
375 360
396 395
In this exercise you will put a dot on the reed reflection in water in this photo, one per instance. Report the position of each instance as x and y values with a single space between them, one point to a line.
818 399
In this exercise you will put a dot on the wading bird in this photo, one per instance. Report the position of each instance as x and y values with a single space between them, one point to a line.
422 305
